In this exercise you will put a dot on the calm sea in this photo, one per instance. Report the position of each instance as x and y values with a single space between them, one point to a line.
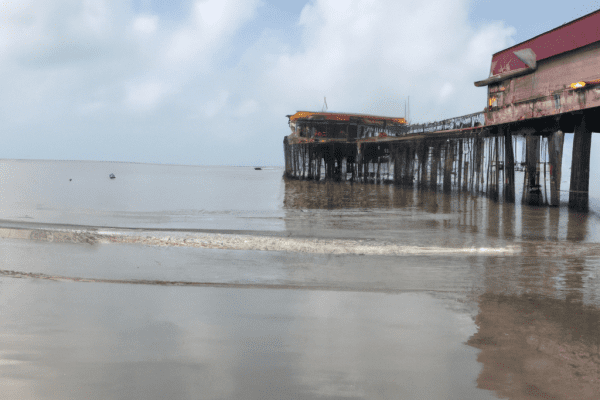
244 199
141 195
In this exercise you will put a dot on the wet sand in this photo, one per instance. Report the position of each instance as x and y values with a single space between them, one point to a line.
101 341
117 319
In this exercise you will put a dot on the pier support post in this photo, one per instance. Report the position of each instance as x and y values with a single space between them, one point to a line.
478 154
468 144
423 156
304 156
466 177
365 167
497 154
294 159
509 166
555 151
286 154
409 162
357 173
319 158
394 157
328 162
435 164
459 168
531 188
448 164
580 166
400 154
309 167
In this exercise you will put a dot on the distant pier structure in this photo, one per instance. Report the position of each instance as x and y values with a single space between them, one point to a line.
538 90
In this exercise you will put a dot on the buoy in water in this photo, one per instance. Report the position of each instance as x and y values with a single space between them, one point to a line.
257 168
112 176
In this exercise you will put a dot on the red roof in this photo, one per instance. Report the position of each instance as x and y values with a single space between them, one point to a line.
567 37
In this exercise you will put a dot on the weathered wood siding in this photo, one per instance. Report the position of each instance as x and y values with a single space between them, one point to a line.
548 91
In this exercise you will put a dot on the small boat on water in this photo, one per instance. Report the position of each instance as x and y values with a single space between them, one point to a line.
112 176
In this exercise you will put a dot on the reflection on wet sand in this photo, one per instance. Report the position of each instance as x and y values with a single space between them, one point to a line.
538 312
100 341
538 346
406 212
539 316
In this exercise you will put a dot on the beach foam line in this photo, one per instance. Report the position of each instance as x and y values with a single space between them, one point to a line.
299 245
248 242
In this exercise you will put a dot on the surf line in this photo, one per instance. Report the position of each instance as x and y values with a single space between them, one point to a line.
250 242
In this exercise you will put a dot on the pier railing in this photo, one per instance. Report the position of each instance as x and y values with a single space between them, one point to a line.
466 121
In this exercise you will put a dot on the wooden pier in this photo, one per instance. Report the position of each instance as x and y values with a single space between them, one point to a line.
478 160
537 92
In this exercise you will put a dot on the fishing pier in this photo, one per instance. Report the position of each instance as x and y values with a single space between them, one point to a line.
538 90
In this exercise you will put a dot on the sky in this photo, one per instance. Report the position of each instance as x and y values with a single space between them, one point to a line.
210 82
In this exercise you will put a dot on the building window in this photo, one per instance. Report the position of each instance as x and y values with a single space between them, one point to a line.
557 101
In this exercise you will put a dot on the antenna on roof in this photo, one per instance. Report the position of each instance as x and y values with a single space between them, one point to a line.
324 104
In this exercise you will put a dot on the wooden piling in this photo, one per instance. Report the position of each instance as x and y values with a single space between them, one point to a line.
489 161
409 162
531 187
555 150
287 156
448 163
423 153
477 154
496 176
359 161
466 177
319 162
435 162
294 160
509 167
580 166
304 162
460 165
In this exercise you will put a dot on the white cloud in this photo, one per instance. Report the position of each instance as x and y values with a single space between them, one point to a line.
145 95
91 107
488 40
65 60
95 15
417 49
213 107
247 108
211 23
145 24
446 90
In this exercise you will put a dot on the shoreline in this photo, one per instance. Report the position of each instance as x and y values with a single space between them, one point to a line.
242 240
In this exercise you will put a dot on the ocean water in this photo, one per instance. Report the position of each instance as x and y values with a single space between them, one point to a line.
229 282
141 195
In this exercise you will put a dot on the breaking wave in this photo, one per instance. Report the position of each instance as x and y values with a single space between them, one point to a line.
248 242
